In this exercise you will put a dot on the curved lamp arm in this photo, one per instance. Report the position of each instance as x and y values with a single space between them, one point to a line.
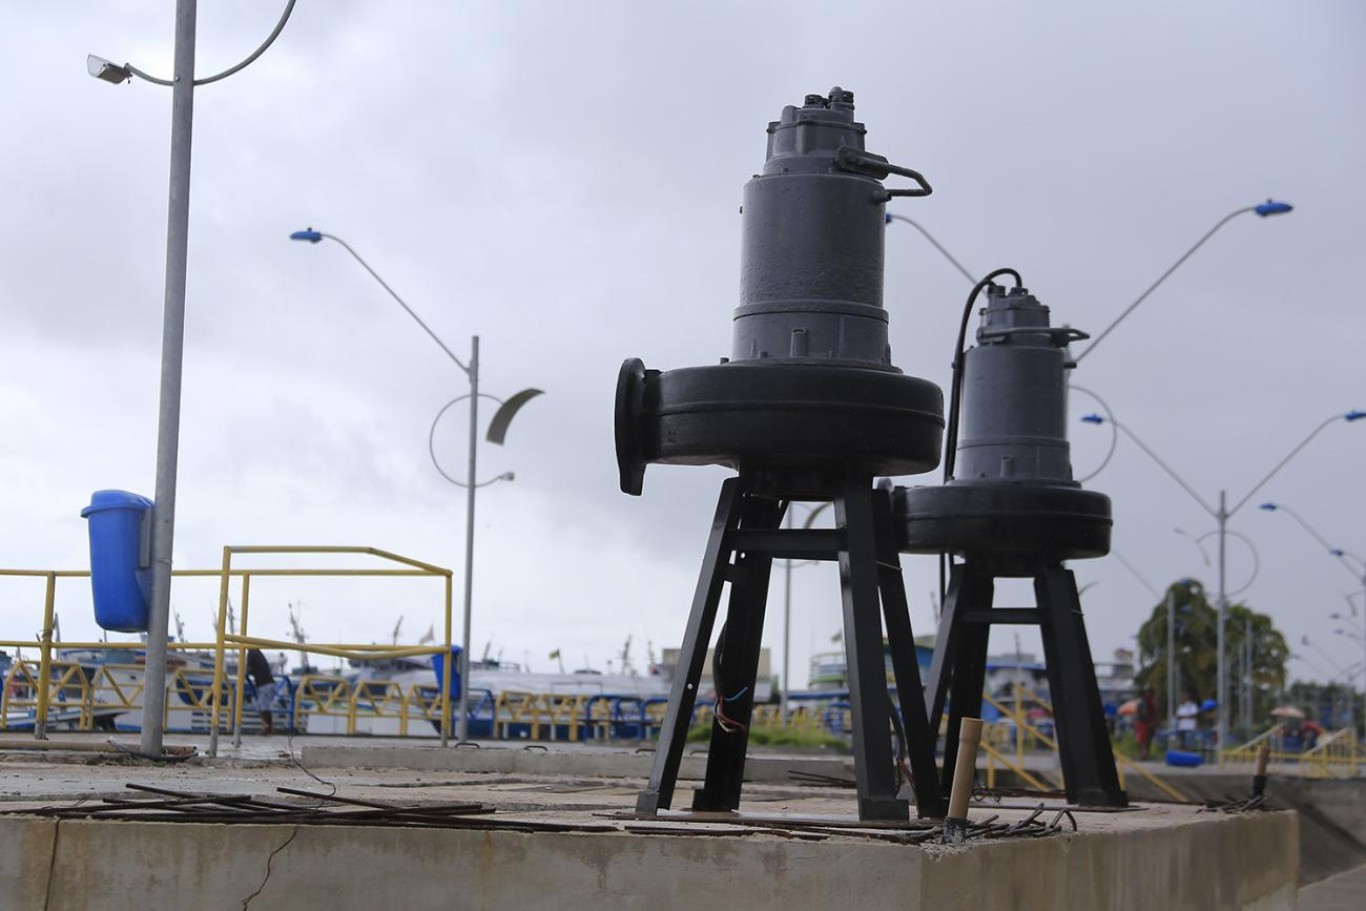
1256 557
112 72
314 237
972 280
1270 207
497 431
1349 417
1358 570
1114 433
1099 419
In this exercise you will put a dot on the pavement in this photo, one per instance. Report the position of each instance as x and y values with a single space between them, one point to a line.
1343 892
540 834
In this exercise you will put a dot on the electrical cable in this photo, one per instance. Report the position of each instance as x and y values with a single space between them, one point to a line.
289 748
956 387
901 749
725 722
955 396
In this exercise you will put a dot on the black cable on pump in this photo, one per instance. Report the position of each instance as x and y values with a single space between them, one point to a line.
955 397
956 388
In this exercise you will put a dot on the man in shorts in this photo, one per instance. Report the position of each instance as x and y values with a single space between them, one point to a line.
258 669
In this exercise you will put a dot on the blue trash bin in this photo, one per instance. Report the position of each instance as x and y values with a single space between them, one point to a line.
439 665
120 559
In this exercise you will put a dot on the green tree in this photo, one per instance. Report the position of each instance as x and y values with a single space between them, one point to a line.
1196 652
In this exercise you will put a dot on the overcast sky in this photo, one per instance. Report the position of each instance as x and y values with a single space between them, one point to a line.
563 180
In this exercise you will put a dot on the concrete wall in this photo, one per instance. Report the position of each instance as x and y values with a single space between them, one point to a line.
1332 813
1245 862
589 763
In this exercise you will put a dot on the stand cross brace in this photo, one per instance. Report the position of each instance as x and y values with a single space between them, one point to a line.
958 674
745 538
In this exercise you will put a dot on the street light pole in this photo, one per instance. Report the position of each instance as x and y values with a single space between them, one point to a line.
1171 661
462 731
172 360
497 429
1221 517
182 86
1221 623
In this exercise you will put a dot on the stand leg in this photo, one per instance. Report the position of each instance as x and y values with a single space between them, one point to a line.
920 738
871 707
1088 761
735 664
967 659
658 794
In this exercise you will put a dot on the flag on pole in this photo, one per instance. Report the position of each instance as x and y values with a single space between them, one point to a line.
429 636
838 637
555 655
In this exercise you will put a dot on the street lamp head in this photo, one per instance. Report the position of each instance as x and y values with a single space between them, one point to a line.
106 69
308 234
1354 415
1271 207
507 476
1337 552
1093 418
1269 507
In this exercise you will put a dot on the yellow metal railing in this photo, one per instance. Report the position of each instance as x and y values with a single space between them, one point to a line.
410 567
1336 755
320 694
1244 756
30 688
26 688
995 757
547 714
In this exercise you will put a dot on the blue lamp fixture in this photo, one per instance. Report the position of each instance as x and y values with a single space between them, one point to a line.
1271 207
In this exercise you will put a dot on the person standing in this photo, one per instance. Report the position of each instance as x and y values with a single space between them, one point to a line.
1145 722
1187 721
258 669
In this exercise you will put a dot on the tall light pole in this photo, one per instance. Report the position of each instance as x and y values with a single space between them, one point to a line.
497 432
182 86
1246 699
1353 564
1221 515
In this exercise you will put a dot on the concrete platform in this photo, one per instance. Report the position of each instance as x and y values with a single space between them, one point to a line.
569 841
1343 892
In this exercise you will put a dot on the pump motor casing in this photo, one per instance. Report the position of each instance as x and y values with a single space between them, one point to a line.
809 392
1012 500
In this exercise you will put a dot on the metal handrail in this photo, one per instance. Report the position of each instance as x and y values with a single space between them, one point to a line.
408 567
1338 749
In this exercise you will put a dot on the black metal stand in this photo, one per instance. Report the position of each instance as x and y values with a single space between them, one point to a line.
959 670
745 539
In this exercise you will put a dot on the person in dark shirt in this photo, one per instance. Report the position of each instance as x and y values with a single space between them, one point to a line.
1145 722
258 669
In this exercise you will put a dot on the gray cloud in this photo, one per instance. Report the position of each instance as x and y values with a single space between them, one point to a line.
565 182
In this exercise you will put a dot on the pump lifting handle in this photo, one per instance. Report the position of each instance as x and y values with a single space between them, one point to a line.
858 161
